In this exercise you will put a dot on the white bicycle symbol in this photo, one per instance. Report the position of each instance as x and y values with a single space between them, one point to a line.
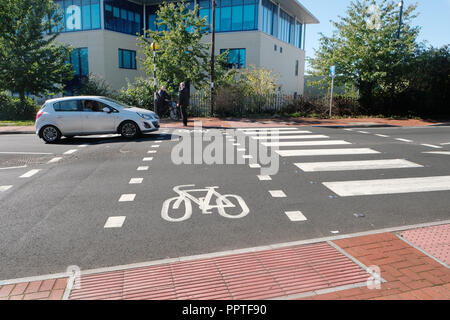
204 203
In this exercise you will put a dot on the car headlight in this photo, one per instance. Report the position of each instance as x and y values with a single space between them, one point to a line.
145 116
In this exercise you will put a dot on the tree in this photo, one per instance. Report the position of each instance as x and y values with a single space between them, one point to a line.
181 55
30 60
365 49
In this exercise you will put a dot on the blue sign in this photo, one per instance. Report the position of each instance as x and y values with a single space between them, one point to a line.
333 71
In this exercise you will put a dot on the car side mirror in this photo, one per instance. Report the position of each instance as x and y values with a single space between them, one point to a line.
107 110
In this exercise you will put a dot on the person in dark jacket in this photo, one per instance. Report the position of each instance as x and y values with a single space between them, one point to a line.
162 101
183 102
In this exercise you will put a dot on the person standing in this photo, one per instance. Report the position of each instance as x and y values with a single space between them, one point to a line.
183 102
163 101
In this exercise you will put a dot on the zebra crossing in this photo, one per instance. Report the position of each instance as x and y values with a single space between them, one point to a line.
299 142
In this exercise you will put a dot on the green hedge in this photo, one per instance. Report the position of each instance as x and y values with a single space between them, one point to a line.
11 108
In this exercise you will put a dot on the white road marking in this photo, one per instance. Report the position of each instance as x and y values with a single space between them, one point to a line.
158 141
8 168
56 159
445 144
382 135
324 152
82 145
143 168
277 193
348 129
148 159
151 151
12 152
115 222
364 132
70 151
236 144
356 165
403 140
262 133
267 129
264 178
254 165
247 156
295 215
304 143
4 188
154 146
438 152
431 146
127 197
269 137
389 186
334 232
136 180
30 173
240 149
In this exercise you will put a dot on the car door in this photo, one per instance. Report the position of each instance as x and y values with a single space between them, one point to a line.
96 120
69 116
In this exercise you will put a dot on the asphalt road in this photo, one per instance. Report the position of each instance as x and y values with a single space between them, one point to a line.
55 200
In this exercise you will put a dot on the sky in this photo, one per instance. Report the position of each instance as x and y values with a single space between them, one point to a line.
434 19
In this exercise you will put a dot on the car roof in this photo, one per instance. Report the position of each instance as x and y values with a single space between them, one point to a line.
74 97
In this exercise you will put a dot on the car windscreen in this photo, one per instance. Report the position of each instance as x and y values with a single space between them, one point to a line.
117 103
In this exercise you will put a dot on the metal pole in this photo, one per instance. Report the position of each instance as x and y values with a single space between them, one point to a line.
154 80
400 20
213 39
331 96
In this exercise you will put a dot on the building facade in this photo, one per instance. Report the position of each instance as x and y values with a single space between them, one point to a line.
256 32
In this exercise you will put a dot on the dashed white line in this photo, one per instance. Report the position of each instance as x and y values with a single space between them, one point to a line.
295 215
30 173
247 156
158 141
314 136
264 178
82 145
115 222
12 152
56 159
365 132
277 193
431 146
445 144
154 146
236 144
148 159
356 165
70 151
240 149
136 180
403 140
439 152
127 197
4 188
142 168
254 165
151 151
8 168
382 135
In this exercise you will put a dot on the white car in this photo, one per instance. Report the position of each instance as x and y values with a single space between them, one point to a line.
85 115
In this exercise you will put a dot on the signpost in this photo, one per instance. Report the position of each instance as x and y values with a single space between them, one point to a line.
154 47
332 75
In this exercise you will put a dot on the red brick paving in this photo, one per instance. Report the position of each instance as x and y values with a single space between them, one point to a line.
410 275
52 289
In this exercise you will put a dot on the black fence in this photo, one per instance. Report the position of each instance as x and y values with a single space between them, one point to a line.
238 105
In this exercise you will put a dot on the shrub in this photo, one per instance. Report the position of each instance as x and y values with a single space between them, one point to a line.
94 85
11 108
138 94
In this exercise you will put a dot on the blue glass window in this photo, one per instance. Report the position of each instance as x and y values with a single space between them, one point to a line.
286 32
298 35
123 16
79 61
235 58
127 59
79 14
269 23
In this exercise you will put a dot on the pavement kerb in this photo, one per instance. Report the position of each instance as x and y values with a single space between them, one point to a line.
224 253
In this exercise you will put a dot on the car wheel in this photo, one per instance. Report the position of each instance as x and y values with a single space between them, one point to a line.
50 134
129 130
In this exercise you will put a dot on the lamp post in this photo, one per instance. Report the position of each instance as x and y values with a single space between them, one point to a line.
154 47
213 38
